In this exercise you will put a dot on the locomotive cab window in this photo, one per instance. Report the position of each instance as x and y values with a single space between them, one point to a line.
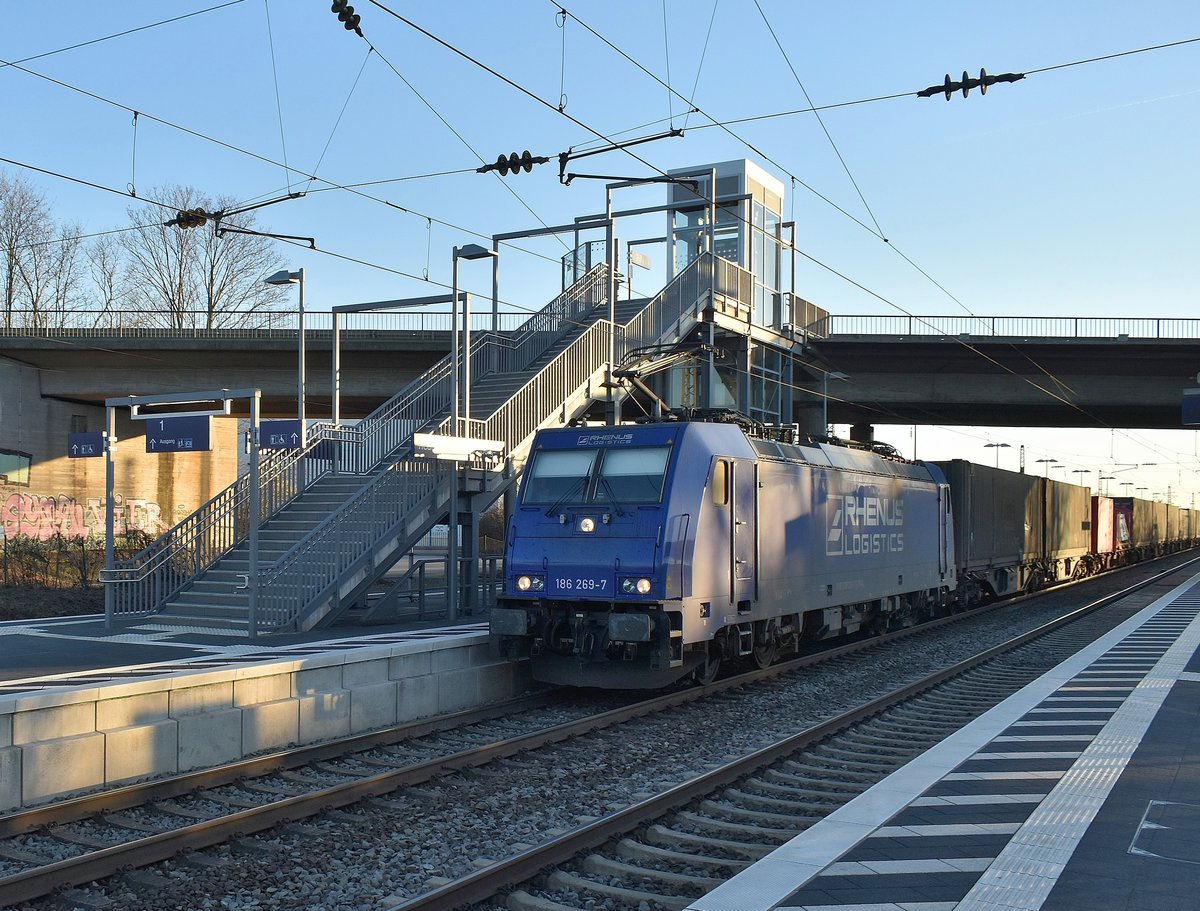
633 475
720 482
559 476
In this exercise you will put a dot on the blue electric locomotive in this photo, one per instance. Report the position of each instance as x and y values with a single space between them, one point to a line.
639 554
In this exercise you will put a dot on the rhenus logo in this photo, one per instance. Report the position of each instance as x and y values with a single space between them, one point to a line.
604 439
864 524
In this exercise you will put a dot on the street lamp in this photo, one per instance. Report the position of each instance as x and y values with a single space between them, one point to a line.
466 251
825 378
284 277
997 447
1081 472
1048 462
1102 479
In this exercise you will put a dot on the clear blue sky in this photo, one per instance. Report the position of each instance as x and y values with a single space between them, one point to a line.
1070 193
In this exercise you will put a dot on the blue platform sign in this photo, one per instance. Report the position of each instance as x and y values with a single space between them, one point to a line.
85 445
284 434
189 434
1191 407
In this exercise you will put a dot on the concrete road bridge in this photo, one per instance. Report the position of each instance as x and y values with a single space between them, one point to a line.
999 371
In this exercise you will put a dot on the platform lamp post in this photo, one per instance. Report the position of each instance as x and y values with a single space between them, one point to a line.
1102 479
825 378
284 277
457 372
997 447
1048 463
1081 472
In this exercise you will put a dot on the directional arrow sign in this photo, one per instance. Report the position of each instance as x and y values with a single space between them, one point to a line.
190 434
280 434
85 445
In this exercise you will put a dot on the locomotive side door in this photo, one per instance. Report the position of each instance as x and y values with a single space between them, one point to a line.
743 568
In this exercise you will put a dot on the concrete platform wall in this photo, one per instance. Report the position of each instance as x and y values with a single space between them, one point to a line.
61 742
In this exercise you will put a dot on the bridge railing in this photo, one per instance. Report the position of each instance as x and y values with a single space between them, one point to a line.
1079 327
267 324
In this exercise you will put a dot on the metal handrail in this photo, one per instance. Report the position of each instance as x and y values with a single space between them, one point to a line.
1089 327
260 324
310 570
144 582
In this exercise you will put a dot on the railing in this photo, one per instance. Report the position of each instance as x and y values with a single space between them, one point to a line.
1081 327
266 324
518 418
316 563
307 571
143 582
680 295
562 315
148 579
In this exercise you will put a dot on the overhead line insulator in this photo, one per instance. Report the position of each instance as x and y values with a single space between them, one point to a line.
190 218
347 16
949 87
513 163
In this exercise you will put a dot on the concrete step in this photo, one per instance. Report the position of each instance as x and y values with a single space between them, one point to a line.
205 601
214 623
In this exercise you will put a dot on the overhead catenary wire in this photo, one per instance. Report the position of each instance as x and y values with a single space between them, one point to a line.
334 185
122 34
410 211
824 129
540 100
287 174
877 233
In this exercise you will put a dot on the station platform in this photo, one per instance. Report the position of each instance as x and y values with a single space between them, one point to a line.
84 707
80 651
1081 791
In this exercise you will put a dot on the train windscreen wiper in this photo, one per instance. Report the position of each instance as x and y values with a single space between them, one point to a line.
612 497
567 494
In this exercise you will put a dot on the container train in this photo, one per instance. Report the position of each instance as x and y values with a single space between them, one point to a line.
638 555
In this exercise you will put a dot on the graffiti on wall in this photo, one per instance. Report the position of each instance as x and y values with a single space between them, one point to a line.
43 517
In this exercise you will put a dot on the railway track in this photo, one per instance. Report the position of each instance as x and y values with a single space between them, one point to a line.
90 838
668 850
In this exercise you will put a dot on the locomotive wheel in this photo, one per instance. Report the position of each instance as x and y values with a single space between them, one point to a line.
706 672
766 647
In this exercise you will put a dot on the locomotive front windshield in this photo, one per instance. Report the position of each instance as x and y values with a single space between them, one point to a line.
563 477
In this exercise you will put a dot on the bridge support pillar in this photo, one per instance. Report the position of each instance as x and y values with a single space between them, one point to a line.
862 433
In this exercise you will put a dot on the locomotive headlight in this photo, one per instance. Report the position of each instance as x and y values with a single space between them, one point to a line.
641 586
531 583
587 524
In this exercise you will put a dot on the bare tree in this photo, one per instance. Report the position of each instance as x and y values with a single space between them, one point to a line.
196 277
39 275
106 266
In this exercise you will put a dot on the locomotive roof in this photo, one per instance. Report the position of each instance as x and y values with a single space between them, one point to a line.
840 457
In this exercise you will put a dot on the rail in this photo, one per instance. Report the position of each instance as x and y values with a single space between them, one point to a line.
1077 327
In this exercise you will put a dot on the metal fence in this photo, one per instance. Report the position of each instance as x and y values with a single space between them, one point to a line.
145 582
270 324
1080 327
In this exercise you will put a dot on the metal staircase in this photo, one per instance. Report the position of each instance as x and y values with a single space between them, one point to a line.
338 513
